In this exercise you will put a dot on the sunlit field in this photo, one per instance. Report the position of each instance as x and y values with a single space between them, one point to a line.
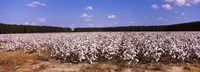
90 51
99 36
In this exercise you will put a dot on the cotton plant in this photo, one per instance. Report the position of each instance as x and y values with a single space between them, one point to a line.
93 46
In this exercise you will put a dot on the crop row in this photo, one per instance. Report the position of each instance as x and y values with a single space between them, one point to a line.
137 47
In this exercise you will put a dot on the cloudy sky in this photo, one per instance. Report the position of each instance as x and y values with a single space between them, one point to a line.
98 13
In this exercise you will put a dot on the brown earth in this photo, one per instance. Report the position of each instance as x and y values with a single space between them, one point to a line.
18 61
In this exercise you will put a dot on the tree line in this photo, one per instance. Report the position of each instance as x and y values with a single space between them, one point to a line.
190 26
11 28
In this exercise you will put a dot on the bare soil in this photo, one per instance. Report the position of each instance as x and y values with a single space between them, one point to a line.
18 61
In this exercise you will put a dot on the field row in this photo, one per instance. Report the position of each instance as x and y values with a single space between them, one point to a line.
132 47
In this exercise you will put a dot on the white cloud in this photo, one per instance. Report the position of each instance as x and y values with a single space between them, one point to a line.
86 17
195 1
188 5
36 4
28 23
89 8
42 20
160 18
167 7
176 12
166 20
111 16
182 14
169 0
177 2
184 2
155 6
180 2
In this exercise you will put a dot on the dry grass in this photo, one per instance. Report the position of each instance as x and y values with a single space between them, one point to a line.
18 61
14 61
100 68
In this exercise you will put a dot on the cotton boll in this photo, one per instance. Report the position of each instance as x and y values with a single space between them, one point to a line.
178 45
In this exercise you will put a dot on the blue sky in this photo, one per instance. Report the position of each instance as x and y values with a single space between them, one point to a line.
98 13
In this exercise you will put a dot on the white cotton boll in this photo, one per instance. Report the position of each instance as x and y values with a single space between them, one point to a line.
178 44
81 58
136 60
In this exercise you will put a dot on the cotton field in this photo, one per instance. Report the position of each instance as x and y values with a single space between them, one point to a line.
132 47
